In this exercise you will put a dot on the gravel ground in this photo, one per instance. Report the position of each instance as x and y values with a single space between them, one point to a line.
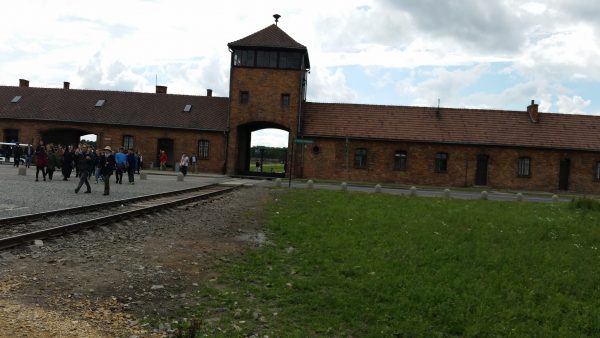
22 195
64 218
104 282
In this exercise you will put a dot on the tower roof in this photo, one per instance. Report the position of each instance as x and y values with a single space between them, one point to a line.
269 37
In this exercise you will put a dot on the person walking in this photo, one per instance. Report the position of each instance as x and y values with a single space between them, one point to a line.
163 160
67 163
17 154
121 162
258 166
194 160
131 162
97 165
85 163
41 161
138 162
53 161
107 165
29 154
184 163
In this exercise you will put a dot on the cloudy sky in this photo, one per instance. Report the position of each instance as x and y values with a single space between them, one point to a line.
497 54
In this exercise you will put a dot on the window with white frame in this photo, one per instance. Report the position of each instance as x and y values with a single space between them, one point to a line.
400 159
127 142
203 147
524 167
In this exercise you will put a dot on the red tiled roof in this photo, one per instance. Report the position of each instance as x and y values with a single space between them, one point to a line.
270 37
458 126
123 108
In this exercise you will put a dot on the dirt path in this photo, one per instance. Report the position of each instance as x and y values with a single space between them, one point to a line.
103 283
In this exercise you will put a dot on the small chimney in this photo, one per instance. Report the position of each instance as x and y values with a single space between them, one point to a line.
23 83
161 89
209 92
532 110
66 85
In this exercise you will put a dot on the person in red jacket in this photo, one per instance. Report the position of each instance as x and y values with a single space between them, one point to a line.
163 160
41 162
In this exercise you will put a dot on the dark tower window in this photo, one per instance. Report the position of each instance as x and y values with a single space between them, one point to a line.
285 100
266 59
289 60
243 58
244 97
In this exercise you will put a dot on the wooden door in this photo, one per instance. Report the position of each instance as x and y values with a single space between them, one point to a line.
563 175
481 172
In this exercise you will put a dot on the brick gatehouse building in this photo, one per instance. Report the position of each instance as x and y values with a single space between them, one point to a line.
525 150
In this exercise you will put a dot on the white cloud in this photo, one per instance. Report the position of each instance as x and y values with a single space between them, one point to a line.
329 85
562 55
441 84
572 105
114 75
535 8
516 97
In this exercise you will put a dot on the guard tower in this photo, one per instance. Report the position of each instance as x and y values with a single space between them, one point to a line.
267 90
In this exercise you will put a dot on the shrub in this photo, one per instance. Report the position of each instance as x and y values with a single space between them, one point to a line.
585 203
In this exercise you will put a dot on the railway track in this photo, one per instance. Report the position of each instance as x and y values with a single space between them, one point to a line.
18 230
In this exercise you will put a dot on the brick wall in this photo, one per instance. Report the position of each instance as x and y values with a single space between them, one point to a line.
264 108
331 160
145 140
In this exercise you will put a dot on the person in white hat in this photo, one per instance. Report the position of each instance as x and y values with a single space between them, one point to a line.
107 166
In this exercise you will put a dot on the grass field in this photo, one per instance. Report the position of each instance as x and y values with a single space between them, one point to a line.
269 167
374 265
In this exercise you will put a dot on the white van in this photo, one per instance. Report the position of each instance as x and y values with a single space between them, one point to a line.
6 160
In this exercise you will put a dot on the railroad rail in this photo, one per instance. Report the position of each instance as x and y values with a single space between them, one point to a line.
132 207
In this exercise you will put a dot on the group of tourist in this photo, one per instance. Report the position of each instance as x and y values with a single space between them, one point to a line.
184 162
86 162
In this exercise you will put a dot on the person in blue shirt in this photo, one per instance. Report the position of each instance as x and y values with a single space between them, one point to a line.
121 162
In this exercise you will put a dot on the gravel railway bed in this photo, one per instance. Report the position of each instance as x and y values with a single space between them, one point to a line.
96 216
21 195
104 282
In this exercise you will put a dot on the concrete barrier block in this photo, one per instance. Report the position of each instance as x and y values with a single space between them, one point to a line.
484 195
344 186
310 184
378 188
554 198
446 193
22 171
413 191
519 197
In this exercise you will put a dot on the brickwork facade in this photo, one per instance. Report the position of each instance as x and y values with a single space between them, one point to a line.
334 159
262 107
145 140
